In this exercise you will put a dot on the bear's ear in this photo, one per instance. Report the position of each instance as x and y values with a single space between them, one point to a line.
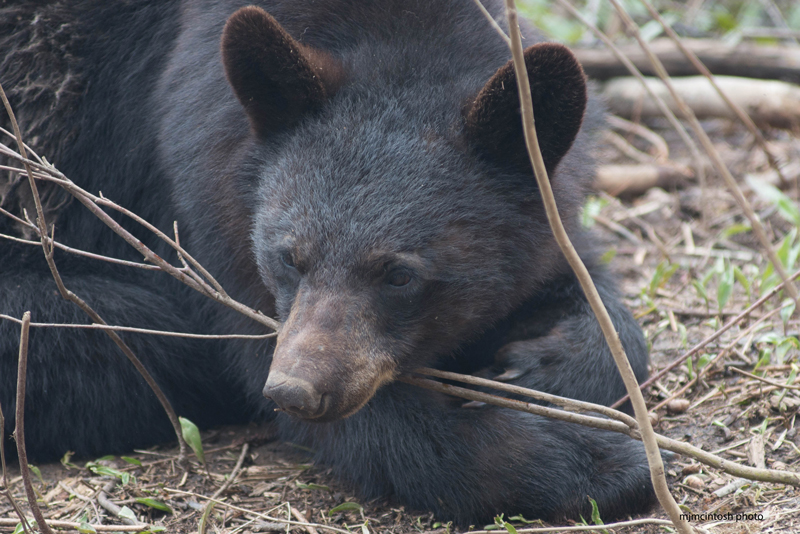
558 90
277 79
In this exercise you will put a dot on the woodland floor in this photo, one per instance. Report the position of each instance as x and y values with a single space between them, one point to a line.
741 418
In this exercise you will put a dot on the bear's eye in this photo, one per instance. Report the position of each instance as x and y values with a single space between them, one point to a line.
288 260
398 278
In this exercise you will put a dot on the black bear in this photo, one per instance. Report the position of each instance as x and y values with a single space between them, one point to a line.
355 169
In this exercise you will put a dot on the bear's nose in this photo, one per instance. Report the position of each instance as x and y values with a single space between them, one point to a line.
294 395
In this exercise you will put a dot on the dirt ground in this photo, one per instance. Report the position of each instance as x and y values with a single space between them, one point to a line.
675 253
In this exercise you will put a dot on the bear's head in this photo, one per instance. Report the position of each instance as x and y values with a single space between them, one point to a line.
397 213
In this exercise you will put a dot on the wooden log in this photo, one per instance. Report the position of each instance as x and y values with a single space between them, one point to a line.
768 102
633 180
743 59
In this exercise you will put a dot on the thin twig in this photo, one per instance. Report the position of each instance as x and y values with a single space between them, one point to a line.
102 499
694 350
6 488
655 462
84 498
520 406
71 250
140 330
493 22
234 472
765 380
686 449
19 430
300 517
567 404
656 140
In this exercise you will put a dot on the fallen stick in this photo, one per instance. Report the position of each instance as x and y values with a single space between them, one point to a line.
743 59
632 180
768 103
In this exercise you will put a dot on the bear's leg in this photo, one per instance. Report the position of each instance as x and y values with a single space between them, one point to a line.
468 465
571 358
83 395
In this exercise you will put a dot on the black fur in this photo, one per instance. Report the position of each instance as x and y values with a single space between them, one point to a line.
380 159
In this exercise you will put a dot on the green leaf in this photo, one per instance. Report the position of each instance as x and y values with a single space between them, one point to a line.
596 516
683 334
595 513
130 460
102 470
154 503
735 229
591 209
784 252
65 460
743 281
701 291
346 507
783 347
312 486
764 359
607 256
86 528
19 529
786 206
35 471
661 276
127 513
725 287
787 309
191 434
689 368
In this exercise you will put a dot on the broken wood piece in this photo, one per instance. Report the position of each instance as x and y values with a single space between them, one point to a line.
742 59
769 103
632 180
